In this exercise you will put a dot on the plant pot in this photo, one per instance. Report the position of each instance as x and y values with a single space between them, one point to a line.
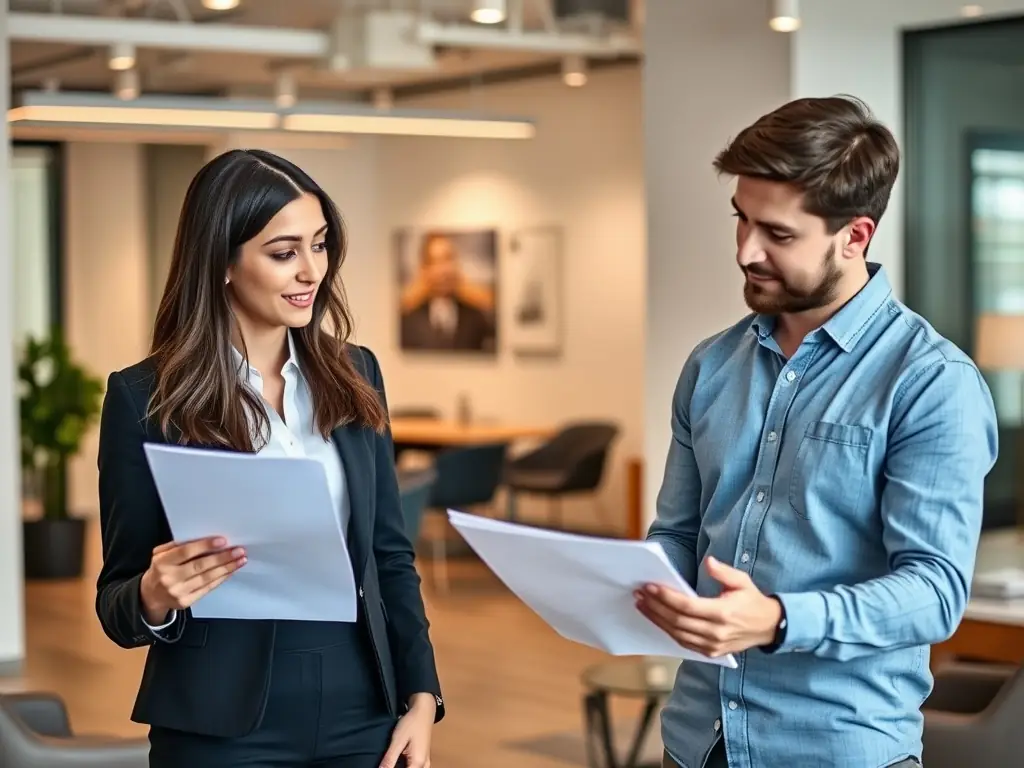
54 548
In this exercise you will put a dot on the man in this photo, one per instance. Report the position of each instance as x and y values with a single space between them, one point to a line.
442 318
823 490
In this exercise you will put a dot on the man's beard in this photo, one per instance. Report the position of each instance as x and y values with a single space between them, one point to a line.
787 299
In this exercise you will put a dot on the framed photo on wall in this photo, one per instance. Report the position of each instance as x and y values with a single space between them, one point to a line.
534 291
447 289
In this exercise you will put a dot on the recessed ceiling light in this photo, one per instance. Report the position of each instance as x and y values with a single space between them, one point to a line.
220 5
971 10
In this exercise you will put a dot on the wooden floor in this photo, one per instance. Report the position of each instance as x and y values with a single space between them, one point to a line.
510 683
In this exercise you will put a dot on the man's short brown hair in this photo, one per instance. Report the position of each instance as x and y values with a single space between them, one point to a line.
831 149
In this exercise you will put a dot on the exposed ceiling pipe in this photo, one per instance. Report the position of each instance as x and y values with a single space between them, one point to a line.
290 43
465 36
152 33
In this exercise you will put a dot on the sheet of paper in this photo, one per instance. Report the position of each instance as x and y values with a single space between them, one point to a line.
280 510
582 586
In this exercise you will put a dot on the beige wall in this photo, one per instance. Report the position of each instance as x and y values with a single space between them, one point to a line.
710 69
584 171
169 169
106 275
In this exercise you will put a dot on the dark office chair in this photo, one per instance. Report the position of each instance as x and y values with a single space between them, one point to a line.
414 487
973 717
573 461
465 477
411 412
35 732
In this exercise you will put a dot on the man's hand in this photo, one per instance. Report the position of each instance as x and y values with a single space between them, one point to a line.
741 617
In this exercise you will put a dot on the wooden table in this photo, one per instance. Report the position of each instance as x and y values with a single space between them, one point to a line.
992 630
437 433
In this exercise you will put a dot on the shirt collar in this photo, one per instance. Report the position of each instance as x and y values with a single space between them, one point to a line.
250 374
847 325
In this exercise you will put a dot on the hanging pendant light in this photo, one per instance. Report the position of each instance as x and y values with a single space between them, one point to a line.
785 15
489 11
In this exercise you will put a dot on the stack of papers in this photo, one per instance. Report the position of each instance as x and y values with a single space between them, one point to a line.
280 510
581 586
1002 584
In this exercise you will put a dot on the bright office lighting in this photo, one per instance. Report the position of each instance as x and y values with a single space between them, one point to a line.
122 57
126 85
489 11
36 107
220 5
574 71
785 16
399 125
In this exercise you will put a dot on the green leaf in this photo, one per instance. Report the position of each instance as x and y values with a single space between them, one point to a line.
59 400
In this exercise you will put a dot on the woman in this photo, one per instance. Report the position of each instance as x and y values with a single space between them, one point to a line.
241 361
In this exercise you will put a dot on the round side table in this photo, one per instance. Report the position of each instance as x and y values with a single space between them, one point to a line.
647 677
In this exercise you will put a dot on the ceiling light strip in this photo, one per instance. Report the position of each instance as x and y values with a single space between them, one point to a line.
66 108
397 125
131 115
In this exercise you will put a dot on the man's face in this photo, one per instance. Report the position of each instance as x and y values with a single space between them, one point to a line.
440 266
791 263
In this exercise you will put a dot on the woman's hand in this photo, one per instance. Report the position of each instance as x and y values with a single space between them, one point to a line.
181 573
411 737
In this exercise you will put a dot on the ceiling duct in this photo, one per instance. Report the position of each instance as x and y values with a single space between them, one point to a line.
592 14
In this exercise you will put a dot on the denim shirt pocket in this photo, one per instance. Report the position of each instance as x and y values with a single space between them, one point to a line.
830 468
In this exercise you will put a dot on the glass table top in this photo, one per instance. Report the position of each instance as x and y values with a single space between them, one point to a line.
633 675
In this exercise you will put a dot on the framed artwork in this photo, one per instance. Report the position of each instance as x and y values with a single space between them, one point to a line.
447 289
534 293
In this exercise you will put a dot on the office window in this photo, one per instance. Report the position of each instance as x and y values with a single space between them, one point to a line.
36 238
997 213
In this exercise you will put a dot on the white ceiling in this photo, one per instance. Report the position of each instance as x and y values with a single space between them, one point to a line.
77 67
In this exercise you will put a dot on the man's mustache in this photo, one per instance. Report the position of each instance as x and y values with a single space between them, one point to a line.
759 272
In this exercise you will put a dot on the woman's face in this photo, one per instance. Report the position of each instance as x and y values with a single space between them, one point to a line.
274 281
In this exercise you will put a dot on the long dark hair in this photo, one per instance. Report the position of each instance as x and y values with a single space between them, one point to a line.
198 392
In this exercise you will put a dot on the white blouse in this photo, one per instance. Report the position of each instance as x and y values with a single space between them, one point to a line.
295 435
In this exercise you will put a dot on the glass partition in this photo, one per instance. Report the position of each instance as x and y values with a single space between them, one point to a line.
36 238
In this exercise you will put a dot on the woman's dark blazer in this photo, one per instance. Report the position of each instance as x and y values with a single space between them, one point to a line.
212 676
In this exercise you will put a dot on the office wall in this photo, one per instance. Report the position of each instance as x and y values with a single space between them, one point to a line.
106 276
840 49
710 69
583 172
12 621
169 169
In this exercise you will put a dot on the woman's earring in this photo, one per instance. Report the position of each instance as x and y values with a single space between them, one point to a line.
227 280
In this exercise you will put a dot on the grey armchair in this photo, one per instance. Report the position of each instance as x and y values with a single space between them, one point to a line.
973 717
35 732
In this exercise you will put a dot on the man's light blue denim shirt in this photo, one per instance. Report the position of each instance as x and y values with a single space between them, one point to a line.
848 481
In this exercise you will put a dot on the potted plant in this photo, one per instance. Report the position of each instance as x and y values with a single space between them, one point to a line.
59 401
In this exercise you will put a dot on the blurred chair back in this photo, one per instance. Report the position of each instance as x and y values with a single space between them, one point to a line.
414 487
573 460
35 733
973 716
467 475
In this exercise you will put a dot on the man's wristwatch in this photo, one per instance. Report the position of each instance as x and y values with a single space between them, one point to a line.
780 630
